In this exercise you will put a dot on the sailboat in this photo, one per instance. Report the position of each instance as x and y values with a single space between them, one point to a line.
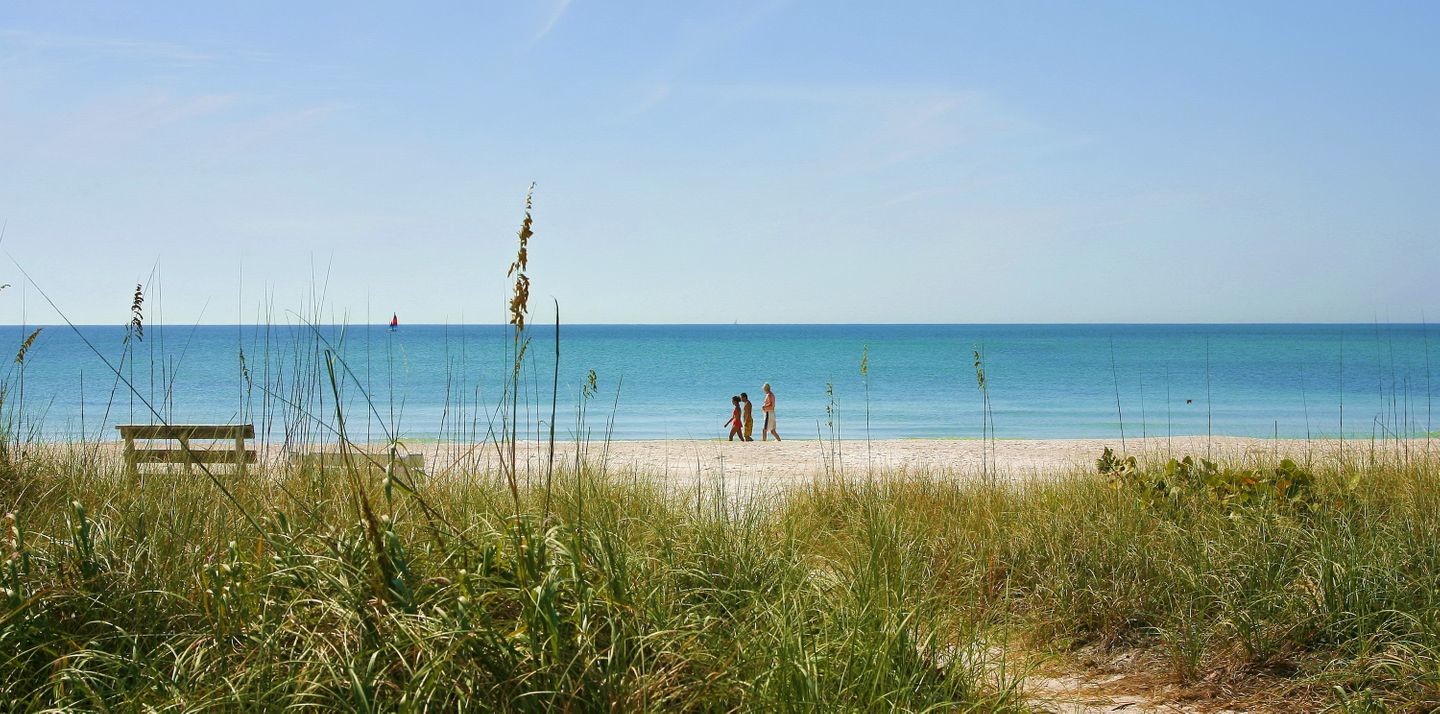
394 321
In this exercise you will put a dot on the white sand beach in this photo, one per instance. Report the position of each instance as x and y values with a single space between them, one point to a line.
765 464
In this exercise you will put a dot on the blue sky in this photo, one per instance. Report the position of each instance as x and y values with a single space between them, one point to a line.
714 162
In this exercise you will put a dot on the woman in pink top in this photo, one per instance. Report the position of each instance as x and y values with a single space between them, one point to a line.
769 408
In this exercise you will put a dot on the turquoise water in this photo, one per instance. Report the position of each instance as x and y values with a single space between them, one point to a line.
675 381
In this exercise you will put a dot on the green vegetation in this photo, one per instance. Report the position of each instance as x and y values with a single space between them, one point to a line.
905 591
162 596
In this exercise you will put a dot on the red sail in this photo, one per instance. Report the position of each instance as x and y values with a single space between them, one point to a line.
395 320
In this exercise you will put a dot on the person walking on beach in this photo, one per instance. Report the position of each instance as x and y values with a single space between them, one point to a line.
768 406
748 411
735 424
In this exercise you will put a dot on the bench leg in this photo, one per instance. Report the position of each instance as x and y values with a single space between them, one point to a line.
185 452
131 471
240 455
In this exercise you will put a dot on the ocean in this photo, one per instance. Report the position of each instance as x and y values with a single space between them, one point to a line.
427 382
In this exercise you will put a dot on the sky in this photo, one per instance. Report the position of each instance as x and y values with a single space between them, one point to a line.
712 162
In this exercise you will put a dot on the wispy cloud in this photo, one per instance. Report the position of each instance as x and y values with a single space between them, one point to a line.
140 110
121 120
647 99
556 12
875 127
704 37
249 133
922 194
122 47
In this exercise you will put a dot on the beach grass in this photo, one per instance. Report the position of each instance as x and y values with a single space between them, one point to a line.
899 592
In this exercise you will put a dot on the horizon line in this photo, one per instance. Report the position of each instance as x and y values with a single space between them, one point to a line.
543 325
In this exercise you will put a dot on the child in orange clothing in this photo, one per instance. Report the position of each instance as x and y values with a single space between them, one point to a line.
735 423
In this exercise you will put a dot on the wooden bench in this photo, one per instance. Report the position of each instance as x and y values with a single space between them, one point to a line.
216 453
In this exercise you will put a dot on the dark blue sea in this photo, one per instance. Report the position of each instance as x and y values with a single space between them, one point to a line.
426 382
